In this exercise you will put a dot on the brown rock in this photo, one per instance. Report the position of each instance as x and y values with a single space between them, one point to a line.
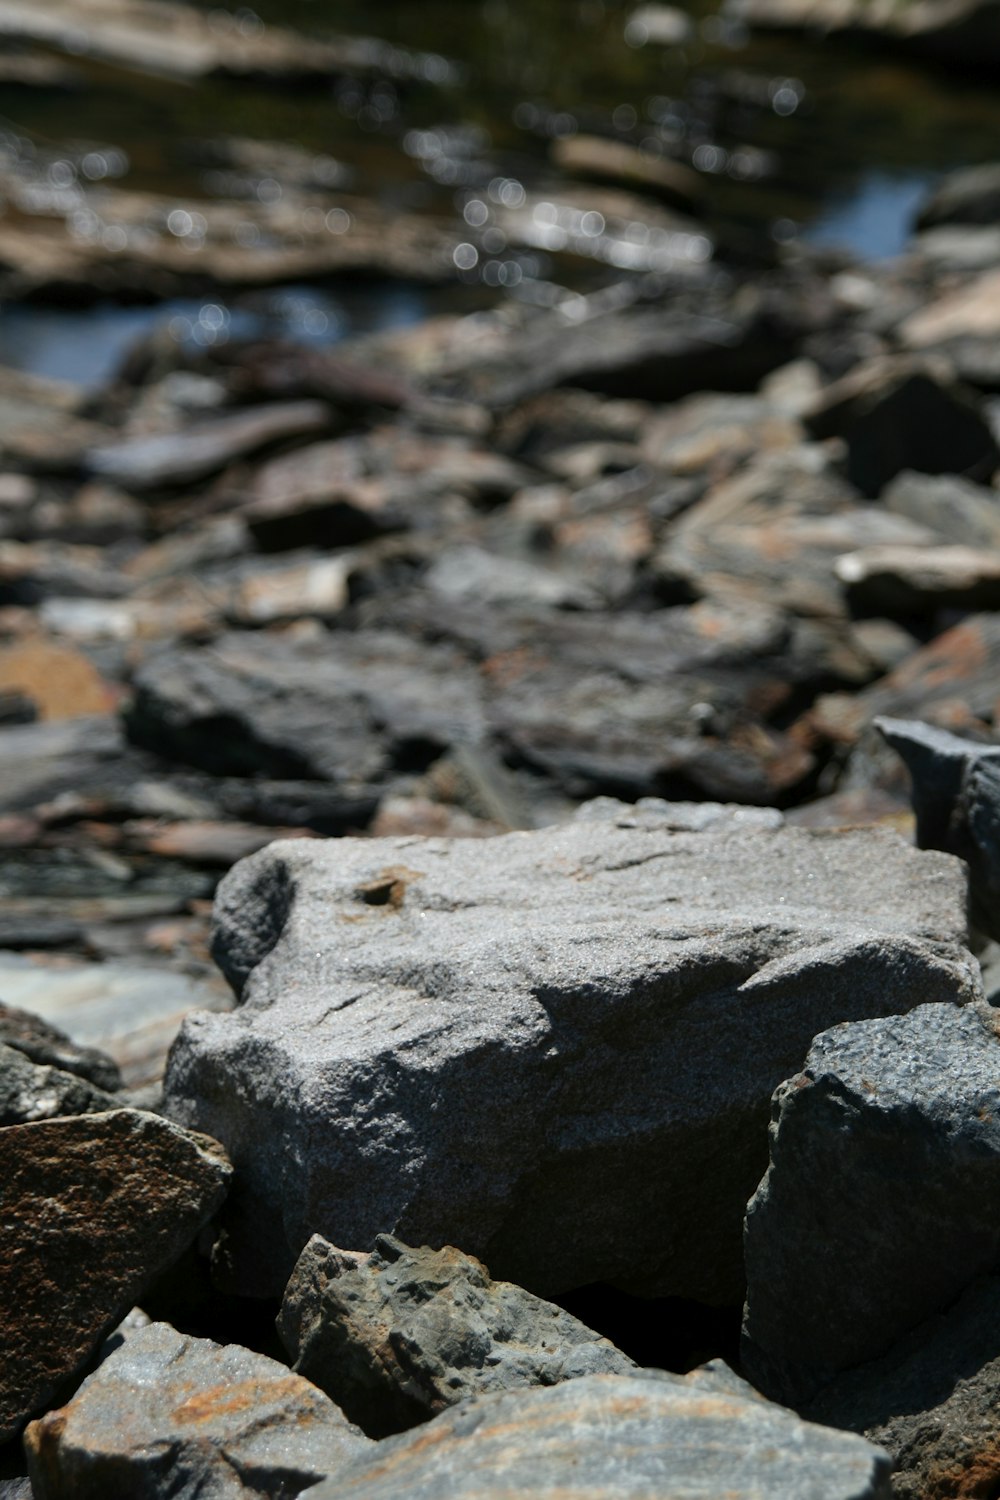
61 682
92 1209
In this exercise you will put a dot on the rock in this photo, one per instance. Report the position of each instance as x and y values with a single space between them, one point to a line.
879 1205
972 311
932 1401
93 1208
61 682
620 1435
662 25
145 463
344 708
39 762
717 433
398 1336
428 1084
49 1047
960 33
964 514
618 162
29 1091
904 413
956 798
307 588
971 196
471 573
920 580
167 1413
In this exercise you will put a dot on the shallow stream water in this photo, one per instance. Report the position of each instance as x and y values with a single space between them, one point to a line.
794 139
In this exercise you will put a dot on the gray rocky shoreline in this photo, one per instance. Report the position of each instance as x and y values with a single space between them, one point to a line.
478 1009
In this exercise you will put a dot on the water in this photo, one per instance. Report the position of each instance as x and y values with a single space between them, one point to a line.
813 140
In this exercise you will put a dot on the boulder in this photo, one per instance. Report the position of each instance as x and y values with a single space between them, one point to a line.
93 1208
931 1402
169 1415
473 1043
882 1199
616 1435
397 1336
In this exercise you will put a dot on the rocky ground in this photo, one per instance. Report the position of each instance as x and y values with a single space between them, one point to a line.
551 681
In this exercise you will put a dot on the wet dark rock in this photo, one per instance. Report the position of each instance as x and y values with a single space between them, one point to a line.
931 1402
48 1046
971 196
325 941
346 708
879 1206
397 1336
956 798
165 1413
615 1434
147 463
903 413
31 1091
94 1207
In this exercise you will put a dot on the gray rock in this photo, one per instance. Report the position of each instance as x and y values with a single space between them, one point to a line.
46 1044
468 1043
962 513
398 1336
932 1401
165 1414
16 1489
913 581
93 1208
956 798
881 1201
32 1091
345 708
971 196
615 1435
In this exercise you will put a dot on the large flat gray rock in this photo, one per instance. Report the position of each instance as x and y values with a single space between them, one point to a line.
396 1336
168 1415
554 1050
882 1200
621 1436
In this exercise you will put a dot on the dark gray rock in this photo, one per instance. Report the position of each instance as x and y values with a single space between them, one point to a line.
347 708
92 1209
882 1200
46 1044
442 1039
621 1436
145 463
956 798
16 1489
165 1414
397 1336
904 413
960 512
31 1091
932 1401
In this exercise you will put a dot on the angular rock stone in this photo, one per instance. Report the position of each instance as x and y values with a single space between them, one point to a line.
932 1401
29 1091
882 1200
344 708
165 1413
956 798
92 1209
398 1336
616 1435
904 413
920 580
47 1045
442 1040
963 513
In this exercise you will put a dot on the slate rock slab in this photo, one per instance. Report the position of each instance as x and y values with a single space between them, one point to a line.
616 1435
477 1043
166 1414
882 1200
91 1209
46 1044
396 1336
932 1401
